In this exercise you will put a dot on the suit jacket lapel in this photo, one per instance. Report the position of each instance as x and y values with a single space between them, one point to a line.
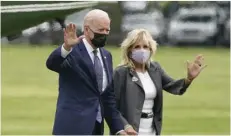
87 60
136 79
105 63
154 76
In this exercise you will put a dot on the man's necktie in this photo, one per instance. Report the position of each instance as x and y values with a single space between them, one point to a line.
98 71
99 77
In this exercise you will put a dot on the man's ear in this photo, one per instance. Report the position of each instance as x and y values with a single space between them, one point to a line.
85 28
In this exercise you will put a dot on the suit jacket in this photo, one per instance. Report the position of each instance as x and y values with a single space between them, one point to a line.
79 97
130 94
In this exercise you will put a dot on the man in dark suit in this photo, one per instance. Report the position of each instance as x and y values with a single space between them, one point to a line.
85 72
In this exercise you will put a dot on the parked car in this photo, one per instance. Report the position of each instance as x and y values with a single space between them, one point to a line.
194 25
133 6
153 22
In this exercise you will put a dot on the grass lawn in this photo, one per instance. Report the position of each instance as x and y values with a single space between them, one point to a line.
29 91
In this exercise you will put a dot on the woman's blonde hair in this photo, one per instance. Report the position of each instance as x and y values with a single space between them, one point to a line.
133 37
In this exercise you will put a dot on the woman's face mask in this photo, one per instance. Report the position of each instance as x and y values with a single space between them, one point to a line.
140 55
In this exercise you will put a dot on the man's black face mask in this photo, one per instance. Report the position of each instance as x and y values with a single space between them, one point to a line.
99 40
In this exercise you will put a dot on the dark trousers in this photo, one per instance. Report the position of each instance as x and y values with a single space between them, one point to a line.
98 129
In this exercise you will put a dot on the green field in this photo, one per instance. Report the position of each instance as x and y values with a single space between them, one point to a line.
29 91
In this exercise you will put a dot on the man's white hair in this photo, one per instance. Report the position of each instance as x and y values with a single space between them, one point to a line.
94 14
